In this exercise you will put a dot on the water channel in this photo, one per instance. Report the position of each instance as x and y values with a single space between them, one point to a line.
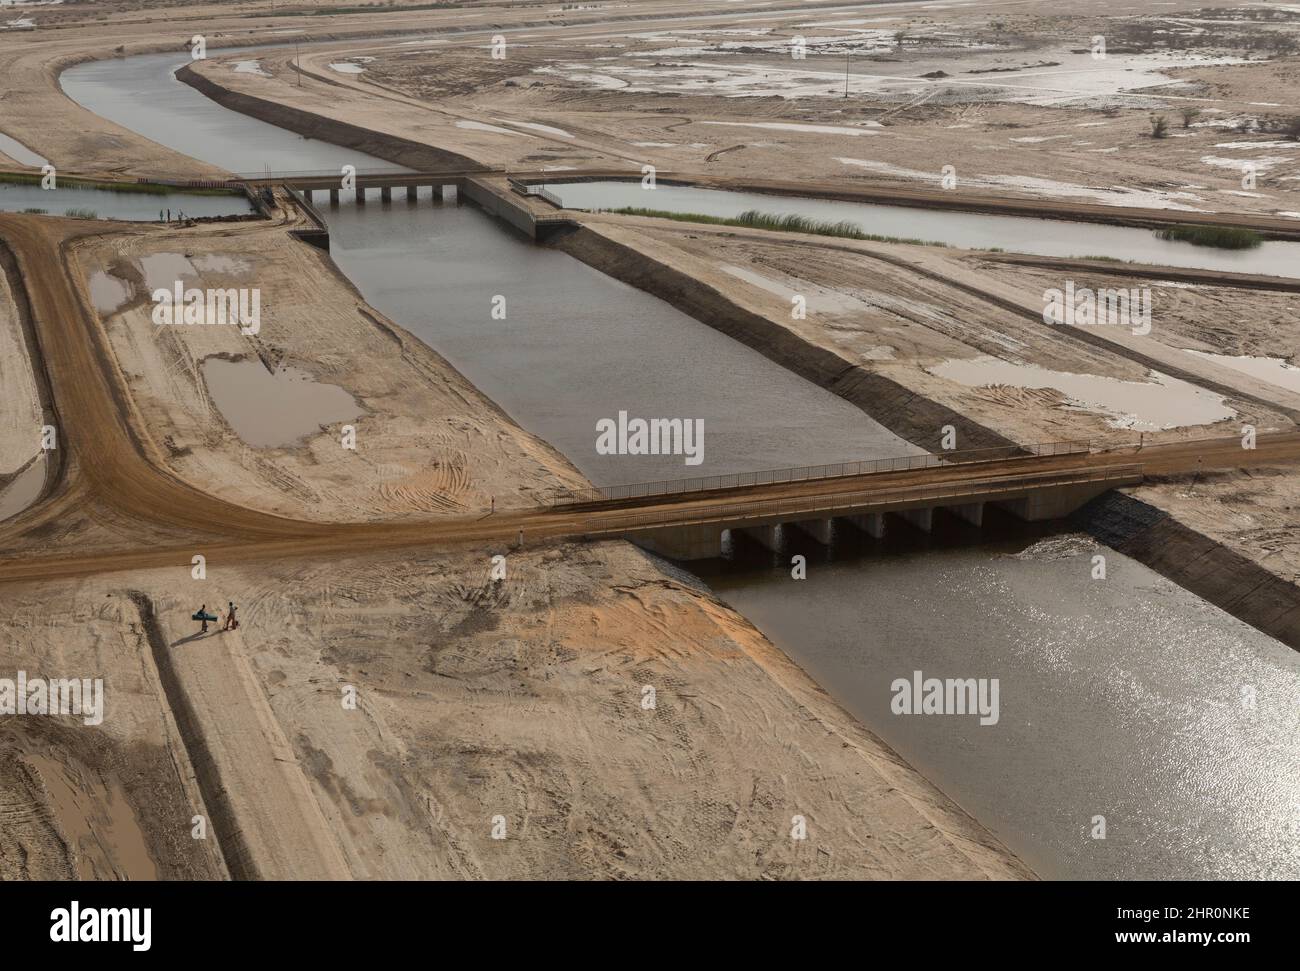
1119 698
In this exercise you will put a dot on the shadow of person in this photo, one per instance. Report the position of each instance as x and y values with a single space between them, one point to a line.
193 637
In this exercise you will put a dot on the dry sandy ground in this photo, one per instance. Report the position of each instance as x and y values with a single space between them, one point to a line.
113 801
1254 513
477 699
519 699
1010 96
20 415
427 442
868 303
35 111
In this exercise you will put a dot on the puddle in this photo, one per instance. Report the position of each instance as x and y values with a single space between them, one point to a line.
250 67
272 410
162 270
545 129
107 292
479 126
23 490
97 822
710 69
782 126
347 67
1109 195
1160 404
1273 370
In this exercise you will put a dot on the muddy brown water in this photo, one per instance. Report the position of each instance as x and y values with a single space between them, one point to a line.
1127 698
1120 698
107 204
274 409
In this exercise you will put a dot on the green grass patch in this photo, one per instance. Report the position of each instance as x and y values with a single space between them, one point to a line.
755 219
35 212
1222 237
75 213
126 188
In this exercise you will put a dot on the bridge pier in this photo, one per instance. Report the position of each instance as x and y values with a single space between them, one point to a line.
972 512
385 194
361 196
819 529
411 192
683 542
922 519
437 192
1055 503
769 537
872 523
334 198
306 194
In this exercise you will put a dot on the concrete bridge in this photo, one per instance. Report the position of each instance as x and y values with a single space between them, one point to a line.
489 188
363 180
685 520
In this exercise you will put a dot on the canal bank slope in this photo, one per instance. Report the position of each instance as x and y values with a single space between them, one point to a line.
386 716
478 698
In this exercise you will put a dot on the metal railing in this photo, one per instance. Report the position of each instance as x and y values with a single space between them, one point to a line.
534 189
193 183
360 173
837 470
858 502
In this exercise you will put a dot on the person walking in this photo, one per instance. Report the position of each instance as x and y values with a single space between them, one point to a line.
231 622
169 215
203 616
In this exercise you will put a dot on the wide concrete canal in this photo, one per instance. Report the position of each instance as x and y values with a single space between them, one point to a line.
1119 699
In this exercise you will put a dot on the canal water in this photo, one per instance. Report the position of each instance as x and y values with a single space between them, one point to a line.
969 230
94 203
1120 699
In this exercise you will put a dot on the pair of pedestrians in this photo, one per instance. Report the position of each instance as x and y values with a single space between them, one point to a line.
231 623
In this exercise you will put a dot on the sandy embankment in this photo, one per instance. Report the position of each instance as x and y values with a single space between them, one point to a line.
113 801
520 699
427 442
21 412
880 317
1231 539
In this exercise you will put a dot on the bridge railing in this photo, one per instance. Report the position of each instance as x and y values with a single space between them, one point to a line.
859 501
534 189
836 470
267 176
230 184
317 173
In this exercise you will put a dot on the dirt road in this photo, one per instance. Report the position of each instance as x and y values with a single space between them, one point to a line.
116 462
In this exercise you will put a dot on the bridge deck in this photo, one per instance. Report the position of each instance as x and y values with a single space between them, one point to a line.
887 498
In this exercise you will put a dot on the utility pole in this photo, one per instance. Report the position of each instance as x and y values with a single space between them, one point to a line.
296 65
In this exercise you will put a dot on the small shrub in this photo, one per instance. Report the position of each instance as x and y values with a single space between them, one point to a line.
1223 237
